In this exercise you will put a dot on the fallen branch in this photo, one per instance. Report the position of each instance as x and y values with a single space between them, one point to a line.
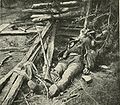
4 60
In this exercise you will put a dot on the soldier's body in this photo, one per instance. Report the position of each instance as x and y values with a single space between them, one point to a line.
73 63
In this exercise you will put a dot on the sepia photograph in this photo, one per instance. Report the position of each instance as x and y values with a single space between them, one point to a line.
59 52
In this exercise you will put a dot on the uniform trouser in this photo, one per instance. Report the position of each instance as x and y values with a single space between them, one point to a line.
67 73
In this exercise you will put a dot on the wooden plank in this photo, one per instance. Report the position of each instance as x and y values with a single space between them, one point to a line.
3 27
17 32
13 91
7 87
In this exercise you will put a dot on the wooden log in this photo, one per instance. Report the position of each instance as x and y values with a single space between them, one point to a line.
17 32
67 26
7 87
68 15
46 16
13 49
3 27
13 91
46 11
62 4
19 24
69 4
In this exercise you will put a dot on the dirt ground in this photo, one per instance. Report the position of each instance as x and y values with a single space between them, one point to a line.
103 90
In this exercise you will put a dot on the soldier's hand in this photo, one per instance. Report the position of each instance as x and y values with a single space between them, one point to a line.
65 54
86 71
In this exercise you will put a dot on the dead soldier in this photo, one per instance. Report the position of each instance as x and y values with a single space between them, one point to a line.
74 61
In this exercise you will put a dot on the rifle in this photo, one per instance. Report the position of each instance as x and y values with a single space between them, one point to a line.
47 65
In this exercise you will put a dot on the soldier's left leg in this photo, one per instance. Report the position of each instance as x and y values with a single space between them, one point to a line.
72 70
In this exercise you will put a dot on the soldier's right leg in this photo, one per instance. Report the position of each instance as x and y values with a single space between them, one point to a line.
60 68
57 72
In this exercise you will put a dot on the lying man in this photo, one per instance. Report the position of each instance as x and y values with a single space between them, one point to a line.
72 63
